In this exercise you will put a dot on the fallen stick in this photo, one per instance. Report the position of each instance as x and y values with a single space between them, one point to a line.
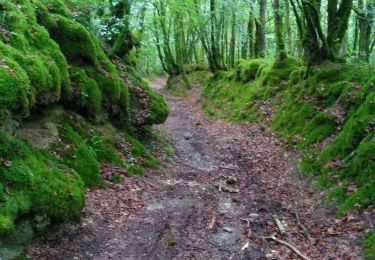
212 223
246 246
279 225
249 232
247 221
304 229
219 248
282 242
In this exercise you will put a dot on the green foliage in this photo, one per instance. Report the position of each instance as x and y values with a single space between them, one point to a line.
81 158
47 57
39 40
35 184
87 93
370 246
74 40
317 129
246 70
334 100
117 178
14 90
156 105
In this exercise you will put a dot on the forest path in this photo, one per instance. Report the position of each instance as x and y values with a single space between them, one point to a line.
214 198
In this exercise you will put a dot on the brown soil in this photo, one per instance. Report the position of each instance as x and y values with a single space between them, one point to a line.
191 212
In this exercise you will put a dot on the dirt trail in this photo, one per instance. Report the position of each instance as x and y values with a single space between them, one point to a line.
190 212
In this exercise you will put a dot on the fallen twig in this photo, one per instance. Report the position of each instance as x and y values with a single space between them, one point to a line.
212 223
290 246
219 248
222 188
249 232
247 221
279 225
304 229
246 246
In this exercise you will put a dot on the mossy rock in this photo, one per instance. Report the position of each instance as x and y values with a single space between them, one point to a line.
36 185
74 40
87 94
153 111
246 70
317 129
14 87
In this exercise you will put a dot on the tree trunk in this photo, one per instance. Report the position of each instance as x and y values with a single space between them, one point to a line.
233 40
250 30
288 27
280 45
261 25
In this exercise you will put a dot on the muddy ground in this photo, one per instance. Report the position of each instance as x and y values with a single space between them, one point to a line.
214 200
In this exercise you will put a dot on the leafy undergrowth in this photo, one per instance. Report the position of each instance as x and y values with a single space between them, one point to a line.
43 179
196 74
47 59
329 115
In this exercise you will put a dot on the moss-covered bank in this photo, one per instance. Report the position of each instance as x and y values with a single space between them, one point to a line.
48 59
329 115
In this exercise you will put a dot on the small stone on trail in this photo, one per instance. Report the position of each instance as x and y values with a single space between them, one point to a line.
236 199
231 180
228 229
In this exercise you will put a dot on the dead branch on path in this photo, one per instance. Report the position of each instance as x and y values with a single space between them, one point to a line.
304 229
279 225
290 246
219 248
212 223
222 188
247 220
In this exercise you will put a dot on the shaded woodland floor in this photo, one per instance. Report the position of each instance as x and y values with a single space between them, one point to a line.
214 200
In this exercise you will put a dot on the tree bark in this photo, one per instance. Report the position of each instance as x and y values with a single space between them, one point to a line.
278 21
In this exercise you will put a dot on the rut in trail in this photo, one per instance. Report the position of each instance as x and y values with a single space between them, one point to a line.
191 212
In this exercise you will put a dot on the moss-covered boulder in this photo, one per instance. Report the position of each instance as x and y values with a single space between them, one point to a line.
47 59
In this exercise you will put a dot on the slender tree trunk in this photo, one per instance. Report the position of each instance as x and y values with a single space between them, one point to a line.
214 47
261 25
233 40
356 33
362 23
288 26
370 19
280 45
250 30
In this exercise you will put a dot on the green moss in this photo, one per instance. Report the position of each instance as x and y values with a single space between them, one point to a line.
117 178
370 246
272 75
57 7
157 106
81 158
133 171
36 185
331 99
14 87
170 239
318 128
292 118
30 46
246 70
355 129
109 84
87 93
74 40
